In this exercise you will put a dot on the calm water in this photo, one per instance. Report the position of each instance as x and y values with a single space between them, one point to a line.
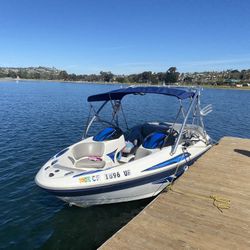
40 119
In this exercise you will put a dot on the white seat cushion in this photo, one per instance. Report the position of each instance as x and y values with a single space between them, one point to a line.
85 149
89 163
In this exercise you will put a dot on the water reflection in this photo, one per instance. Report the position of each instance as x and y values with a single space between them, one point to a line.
88 228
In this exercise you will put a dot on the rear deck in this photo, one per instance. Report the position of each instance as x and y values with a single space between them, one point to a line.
185 217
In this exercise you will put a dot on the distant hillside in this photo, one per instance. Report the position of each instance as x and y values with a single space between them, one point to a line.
30 73
170 76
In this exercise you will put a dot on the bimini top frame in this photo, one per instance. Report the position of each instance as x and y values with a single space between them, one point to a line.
181 93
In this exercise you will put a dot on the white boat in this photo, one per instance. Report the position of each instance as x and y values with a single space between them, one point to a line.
118 166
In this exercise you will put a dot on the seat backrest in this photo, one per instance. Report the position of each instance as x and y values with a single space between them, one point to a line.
140 132
148 129
85 149
154 140
109 133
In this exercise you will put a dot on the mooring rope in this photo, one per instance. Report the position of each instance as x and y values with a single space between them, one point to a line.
218 201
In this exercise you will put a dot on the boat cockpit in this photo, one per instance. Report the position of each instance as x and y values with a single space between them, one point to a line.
112 147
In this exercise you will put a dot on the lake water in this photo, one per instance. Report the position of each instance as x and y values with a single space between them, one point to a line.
38 119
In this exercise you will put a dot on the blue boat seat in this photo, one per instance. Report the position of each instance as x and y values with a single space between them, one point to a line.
109 133
154 140
140 132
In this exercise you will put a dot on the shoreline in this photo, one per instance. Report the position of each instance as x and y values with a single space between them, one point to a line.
118 83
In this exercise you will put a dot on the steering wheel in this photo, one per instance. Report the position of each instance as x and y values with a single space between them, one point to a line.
174 132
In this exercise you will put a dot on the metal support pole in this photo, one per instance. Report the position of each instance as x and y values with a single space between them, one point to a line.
92 120
201 122
184 122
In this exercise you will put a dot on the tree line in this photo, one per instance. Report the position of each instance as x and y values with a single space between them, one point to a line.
170 76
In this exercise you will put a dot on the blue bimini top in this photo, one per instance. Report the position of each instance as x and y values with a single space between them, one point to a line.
180 93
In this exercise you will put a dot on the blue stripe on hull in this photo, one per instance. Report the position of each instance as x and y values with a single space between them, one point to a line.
171 178
175 159
91 172
119 186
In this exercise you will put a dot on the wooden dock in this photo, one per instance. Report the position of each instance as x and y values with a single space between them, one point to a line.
185 217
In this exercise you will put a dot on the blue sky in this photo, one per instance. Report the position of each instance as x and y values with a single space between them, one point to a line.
125 36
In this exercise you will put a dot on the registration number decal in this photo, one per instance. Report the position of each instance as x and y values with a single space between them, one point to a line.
113 175
117 174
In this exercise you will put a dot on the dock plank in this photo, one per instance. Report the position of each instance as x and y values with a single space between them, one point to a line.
185 218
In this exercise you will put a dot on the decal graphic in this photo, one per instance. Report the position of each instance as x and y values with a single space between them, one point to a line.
111 155
92 178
